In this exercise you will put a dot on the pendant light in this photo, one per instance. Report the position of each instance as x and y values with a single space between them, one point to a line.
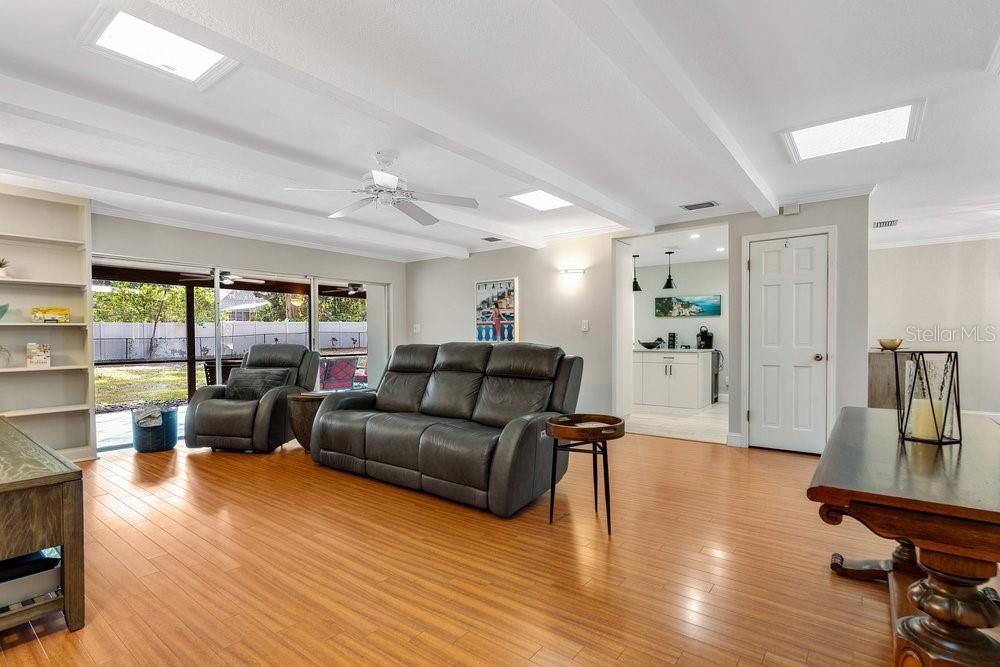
670 279
635 281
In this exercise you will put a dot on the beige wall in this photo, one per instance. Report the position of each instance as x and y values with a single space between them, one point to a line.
850 362
143 240
945 297
440 298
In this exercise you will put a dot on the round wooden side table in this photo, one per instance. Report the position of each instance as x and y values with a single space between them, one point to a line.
302 412
585 434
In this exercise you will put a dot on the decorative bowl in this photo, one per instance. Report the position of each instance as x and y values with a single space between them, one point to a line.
652 345
890 344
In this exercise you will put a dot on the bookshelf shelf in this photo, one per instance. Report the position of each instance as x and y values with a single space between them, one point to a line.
50 410
25 282
50 240
50 369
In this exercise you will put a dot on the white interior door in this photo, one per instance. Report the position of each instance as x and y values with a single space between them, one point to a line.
788 343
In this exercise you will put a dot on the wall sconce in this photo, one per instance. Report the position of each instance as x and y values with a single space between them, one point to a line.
572 272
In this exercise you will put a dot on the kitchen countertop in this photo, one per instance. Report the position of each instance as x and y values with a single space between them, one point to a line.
691 351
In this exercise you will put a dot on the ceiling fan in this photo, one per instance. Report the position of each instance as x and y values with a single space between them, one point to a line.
225 278
381 188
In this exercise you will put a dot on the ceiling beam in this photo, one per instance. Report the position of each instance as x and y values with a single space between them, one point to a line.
612 26
278 50
70 112
25 162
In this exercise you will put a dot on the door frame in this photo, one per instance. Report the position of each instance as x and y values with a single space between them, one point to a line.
831 320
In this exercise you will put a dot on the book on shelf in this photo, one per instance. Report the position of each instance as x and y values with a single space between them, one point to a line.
49 315
38 355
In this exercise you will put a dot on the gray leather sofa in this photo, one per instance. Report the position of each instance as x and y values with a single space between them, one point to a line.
258 422
464 421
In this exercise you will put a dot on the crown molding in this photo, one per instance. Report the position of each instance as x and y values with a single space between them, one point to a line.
827 195
935 241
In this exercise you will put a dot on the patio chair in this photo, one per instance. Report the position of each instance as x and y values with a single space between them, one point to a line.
250 412
337 373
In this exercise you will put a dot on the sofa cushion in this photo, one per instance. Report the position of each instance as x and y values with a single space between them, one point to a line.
401 391
413 358
221 416
459 452
451 394
469 357
524 360
249 384
504 398
343 431
394 438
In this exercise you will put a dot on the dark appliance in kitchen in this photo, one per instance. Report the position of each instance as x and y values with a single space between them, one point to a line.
705 339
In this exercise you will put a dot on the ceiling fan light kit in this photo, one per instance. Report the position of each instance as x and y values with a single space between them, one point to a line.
382 188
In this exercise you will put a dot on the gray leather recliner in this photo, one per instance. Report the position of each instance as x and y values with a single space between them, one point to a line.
260 425
464 421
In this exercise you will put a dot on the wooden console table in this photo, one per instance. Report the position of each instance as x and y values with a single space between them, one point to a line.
942 505
41 496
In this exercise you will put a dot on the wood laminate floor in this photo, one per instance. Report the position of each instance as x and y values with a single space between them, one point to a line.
201 558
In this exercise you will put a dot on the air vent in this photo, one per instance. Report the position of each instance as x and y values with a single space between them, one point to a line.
883 224
491 239
699 205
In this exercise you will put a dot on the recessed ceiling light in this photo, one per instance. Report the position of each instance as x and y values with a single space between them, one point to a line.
138 40
540 200
720 250
696 236
880 127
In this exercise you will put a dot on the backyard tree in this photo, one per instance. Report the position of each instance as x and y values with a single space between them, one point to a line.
119 301
342 309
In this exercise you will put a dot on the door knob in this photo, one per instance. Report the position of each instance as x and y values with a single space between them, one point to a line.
817 357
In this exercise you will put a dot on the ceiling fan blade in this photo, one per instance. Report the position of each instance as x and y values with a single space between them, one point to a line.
199 279
253 281
467 202
351 208
384 179
415 212
319 189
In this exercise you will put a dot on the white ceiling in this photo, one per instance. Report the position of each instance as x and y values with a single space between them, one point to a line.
627 108
651 248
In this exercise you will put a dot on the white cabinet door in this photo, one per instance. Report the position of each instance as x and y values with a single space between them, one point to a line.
684 390
654 384
788 330
637 381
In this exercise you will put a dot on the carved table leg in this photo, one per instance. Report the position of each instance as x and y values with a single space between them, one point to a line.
904 558
956 610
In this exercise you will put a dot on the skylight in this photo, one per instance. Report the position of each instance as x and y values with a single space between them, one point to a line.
135 39
880 127
540 200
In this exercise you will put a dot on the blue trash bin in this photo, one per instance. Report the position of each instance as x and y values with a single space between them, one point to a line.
156 438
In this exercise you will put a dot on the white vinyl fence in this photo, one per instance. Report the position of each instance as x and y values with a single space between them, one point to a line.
127 341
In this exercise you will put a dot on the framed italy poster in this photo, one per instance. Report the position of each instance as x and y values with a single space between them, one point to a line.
496 311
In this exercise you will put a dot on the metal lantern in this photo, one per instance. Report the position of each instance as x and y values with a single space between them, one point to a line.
927 397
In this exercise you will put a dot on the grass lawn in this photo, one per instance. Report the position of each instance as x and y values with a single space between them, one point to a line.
138 384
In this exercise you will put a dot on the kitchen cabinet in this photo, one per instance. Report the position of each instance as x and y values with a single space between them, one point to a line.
672 378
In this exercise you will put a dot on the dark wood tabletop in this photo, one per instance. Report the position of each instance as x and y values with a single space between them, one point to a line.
865 461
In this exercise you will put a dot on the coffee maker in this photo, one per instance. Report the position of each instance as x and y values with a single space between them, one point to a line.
705 339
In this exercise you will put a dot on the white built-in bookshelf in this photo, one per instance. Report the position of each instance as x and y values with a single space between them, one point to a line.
46 238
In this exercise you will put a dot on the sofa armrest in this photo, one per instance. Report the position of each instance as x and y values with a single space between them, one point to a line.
522 464
191 415
340 400
271 426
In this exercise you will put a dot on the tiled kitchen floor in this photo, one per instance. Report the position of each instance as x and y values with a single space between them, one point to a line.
709 424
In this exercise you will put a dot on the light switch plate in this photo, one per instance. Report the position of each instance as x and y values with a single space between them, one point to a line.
585 326
416 328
